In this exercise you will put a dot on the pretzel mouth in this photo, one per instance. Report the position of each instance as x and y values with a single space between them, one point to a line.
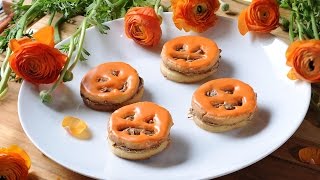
192 73
220 125
106 103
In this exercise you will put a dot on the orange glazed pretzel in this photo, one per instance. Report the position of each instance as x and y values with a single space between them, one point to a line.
223 104
139 130
189 58
110 86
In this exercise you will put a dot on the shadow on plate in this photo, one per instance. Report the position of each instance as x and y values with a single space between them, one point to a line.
176 153
222 29
147 95
225 69
259 122
63 98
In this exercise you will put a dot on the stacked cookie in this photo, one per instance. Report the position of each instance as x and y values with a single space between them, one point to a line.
188 59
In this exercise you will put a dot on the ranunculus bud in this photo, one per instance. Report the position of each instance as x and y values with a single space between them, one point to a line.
142 24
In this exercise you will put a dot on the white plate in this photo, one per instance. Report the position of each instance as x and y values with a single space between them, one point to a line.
193 153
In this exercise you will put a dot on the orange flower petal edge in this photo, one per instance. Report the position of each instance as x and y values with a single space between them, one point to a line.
194 15
142 24
310 155
261 16
304 58
15 44
242 26
14 163
292 75
45 35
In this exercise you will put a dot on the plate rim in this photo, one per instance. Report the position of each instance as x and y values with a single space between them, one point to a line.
238 167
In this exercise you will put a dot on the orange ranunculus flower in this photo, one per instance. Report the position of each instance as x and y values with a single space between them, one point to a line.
304 58
142 24
14 163
261 16
195 15
37 61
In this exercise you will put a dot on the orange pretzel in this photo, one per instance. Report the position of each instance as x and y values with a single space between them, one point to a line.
141 125
187 54
113 82
225 98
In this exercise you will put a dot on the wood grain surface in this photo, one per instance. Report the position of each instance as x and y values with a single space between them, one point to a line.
281 164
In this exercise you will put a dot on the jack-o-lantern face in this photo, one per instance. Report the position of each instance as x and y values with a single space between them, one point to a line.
114 82
225 97
190 53
140 125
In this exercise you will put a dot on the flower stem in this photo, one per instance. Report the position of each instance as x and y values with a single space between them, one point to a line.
82 35
297 20
116 4
156 6
5 62
313 22
291 35
55 85
51 18
57 37
300 31
82 32
81 41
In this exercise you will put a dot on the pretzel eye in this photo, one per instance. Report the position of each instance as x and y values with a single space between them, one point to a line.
180 48
115 73
129 117
211 93
151 121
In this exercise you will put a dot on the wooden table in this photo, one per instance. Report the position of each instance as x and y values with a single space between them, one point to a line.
281 164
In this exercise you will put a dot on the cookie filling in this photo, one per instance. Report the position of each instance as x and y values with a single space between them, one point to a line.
124 148
218 125
213 68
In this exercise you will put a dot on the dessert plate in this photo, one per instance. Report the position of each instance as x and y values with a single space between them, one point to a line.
258 60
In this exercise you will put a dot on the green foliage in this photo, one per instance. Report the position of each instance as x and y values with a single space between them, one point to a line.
303 13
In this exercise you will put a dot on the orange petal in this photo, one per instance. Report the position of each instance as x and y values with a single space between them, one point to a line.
292 75
14 45
76 127
310 155
45 35
15 150
242 25
24 40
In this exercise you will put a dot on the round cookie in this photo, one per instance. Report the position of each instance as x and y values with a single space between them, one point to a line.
223 104
110 86
139 130
189 59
